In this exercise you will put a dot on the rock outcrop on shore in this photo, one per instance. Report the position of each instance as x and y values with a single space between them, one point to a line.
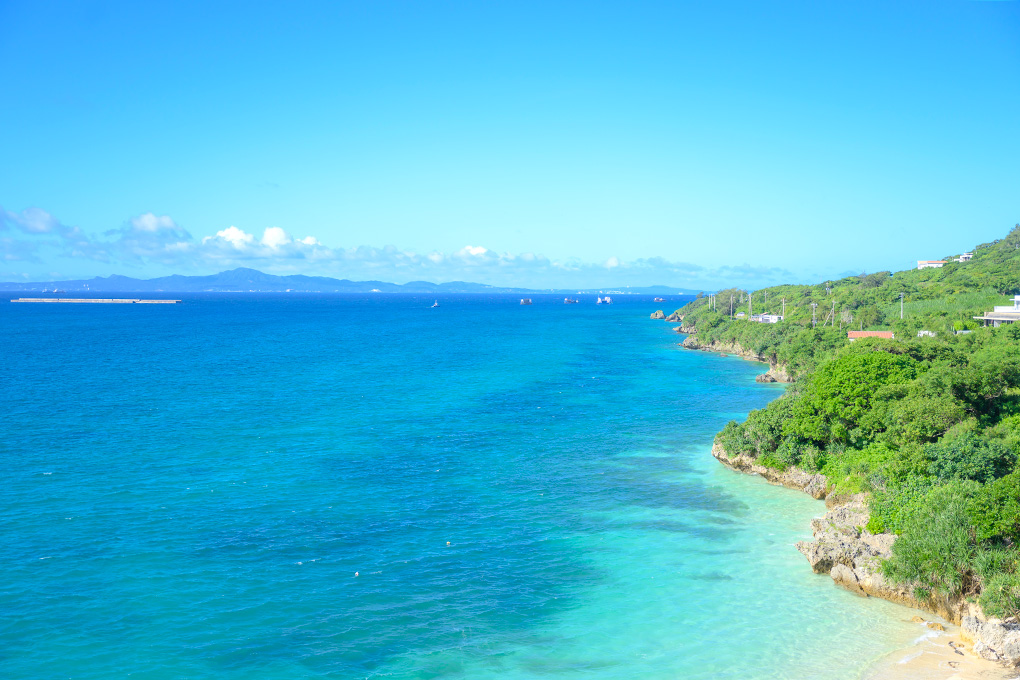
658 314
994 640
776 372
793 478
851 555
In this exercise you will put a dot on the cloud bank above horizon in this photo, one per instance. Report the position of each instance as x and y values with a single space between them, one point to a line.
36 245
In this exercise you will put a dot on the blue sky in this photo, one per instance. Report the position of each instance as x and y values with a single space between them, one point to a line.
533 144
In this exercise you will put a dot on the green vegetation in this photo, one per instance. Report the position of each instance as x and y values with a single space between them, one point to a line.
929 427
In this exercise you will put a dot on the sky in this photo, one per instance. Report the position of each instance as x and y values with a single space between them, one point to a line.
691 144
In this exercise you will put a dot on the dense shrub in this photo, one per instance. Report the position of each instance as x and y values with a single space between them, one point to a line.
969 457
996 510
840 394
937 547
1000 596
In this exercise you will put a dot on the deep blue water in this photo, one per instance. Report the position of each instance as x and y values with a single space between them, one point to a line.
523 492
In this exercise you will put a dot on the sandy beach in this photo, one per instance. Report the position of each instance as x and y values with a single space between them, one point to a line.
938 655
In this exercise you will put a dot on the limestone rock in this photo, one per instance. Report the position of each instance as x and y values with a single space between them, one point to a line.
851 555
985 652
994 640
935 625
792 478
844 576
675 316
776 373
658 315
916 619
816 487
839 539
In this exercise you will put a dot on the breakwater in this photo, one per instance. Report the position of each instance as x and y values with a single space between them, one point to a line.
100 300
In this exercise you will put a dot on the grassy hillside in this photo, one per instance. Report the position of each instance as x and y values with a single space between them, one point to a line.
929 427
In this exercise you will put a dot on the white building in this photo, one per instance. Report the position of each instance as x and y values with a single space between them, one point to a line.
966 257
1002 314
930 264
767 318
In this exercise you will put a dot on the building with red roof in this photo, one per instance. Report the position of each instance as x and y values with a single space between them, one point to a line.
855 335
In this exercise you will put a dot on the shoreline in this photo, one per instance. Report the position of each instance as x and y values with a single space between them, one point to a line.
938 656
775 373
933 654
947 654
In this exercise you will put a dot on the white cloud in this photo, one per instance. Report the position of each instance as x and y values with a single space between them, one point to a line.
36 221
275 237
151 240
475 251
238 238
148 222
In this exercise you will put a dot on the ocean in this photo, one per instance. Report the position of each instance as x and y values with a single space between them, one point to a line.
304 486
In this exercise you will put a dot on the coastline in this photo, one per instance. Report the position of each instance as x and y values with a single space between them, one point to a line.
945 649
947 654
937 656
776 373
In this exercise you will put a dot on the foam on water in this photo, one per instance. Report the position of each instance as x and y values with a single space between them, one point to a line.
521 492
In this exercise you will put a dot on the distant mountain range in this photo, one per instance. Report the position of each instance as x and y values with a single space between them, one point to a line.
243 280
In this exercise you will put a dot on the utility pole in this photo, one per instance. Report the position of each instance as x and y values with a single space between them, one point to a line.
901 305
766 303
749 296
784 309
731 305
814 306
833 312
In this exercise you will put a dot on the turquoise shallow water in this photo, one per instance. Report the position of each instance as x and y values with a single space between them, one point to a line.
190 490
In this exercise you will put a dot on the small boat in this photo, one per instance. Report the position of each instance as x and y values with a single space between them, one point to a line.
434 304
525 301
568 301
607 300
599 301
660 299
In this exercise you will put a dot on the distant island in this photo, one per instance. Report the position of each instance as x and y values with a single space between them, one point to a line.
244 280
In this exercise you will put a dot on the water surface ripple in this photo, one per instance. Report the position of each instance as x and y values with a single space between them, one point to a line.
524 492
